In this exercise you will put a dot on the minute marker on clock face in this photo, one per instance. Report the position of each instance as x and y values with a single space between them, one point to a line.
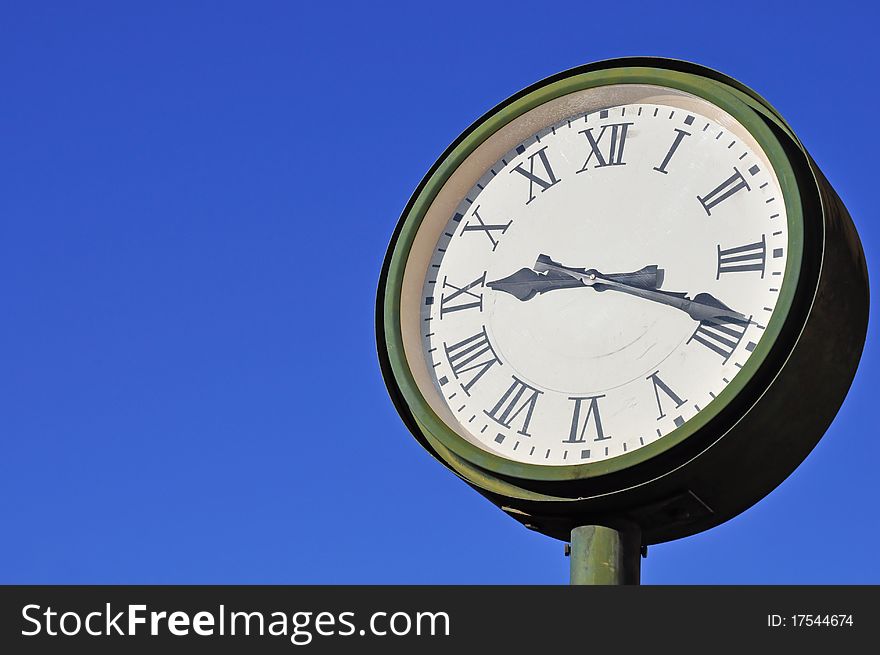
597 287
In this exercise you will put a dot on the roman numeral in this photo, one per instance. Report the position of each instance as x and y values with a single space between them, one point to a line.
660 385
611 154
473 355
723 191
680 134
486 228
580 421
461 297
519 398
750 257
720 335
545 182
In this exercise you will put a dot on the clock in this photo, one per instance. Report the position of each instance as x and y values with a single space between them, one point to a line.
624 296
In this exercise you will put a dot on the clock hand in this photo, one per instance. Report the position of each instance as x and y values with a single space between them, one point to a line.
649 277
526 283
547 275
702 307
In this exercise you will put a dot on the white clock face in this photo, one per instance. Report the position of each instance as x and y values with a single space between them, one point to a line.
603 282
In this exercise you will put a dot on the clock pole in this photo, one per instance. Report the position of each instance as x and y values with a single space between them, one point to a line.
601 555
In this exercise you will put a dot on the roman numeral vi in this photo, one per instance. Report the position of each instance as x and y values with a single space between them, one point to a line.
580 420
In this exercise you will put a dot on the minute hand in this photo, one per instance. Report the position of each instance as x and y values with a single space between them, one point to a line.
702 307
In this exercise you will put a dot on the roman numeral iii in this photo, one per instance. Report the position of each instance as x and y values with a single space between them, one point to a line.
473 356
750 257
607 151
548 180
460 298
723 191
519 398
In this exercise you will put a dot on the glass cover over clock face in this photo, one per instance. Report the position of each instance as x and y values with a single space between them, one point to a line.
604 281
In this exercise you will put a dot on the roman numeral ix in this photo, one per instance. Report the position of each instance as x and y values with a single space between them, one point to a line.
461 298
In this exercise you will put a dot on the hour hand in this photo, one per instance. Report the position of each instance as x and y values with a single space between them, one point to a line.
649 277
548 275
525 284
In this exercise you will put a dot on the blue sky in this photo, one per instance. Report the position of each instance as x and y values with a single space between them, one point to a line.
195 202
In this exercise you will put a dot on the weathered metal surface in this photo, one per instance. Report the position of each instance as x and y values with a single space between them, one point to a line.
602 555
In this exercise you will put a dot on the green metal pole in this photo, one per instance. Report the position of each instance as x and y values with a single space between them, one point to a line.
605 556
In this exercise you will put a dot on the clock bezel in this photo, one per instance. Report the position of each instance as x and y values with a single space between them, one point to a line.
457 451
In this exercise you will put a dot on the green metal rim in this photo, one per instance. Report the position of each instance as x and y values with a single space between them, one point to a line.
432 427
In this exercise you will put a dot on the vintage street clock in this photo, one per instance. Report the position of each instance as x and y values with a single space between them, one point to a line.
625 297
